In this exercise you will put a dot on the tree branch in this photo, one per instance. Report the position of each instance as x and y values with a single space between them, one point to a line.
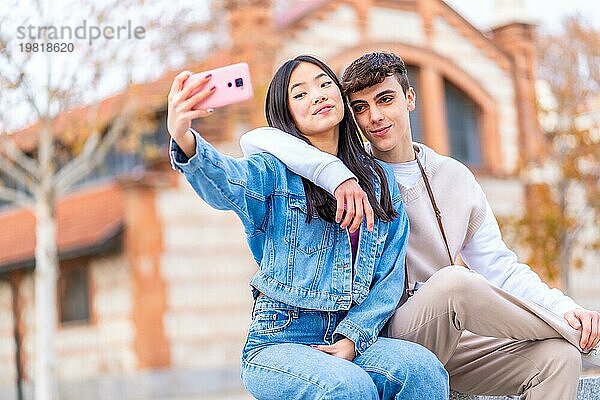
21 82
16 197
19 157
15 173
89 159
90 146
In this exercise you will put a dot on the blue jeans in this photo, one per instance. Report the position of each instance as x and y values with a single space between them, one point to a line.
278 362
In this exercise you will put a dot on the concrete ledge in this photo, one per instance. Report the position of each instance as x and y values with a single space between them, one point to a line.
589 389
202 384
147 385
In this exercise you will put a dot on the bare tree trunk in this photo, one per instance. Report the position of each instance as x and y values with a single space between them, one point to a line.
15 285
45 298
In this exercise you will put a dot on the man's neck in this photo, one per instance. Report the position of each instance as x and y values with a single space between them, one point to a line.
403 152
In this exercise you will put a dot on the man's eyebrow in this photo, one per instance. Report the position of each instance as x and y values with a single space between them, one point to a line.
383 93
357 101
322 74
378 95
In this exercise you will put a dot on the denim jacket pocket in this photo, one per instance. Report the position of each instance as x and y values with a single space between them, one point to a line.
303 234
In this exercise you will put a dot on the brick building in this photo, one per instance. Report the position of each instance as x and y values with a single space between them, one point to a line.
153 294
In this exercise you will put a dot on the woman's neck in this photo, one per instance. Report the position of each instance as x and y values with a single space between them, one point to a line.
327 141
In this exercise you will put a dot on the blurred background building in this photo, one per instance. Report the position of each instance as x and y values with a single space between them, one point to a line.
153 297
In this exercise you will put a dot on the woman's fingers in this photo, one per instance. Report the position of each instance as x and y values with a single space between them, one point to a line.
194 114
178 82
197 98
181 91
180 105
191 87
329 349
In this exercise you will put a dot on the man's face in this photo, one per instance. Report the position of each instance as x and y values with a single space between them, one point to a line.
382 114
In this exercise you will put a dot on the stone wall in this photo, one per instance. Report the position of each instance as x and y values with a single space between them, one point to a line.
7 341
102 346
324 38
206 266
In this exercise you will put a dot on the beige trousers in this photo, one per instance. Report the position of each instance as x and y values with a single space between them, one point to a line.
491 342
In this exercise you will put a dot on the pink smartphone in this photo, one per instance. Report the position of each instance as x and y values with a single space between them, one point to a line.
232 82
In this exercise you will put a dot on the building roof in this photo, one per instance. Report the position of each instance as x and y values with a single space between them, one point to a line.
297 11
87 220
148 96
294 17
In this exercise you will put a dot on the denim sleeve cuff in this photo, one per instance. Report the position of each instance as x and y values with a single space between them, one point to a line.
362 340
180 161
333 175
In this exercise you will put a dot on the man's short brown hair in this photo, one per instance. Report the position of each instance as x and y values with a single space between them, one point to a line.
372 69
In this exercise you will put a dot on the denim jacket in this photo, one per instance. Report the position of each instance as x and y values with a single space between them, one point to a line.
308 265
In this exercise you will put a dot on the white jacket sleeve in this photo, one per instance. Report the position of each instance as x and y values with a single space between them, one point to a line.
323 169
487 254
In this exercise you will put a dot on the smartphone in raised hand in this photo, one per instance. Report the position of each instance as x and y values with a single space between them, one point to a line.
232 84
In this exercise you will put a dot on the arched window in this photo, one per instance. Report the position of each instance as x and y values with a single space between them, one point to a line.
462 116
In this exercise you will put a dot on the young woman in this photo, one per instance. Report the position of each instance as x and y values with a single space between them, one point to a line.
321 294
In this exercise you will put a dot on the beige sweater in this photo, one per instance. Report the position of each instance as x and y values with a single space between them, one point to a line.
462 204
468 220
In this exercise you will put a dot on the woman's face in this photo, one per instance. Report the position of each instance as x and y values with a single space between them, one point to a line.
314 100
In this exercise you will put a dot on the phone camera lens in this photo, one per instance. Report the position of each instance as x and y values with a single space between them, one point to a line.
229 84
239 82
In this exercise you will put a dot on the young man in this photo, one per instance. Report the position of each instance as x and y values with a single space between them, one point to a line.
496 327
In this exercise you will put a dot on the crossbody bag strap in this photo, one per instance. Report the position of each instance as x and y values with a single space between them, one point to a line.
438 213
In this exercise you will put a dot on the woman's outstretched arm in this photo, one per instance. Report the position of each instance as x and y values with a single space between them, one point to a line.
223 182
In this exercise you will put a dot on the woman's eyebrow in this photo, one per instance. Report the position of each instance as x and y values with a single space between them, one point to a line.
296 85
319 76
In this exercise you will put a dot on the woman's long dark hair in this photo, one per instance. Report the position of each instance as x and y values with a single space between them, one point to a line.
350 148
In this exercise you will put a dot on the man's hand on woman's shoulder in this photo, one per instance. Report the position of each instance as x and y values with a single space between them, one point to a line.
352 206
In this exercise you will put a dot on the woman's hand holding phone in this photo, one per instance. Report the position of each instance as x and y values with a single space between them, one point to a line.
181 112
